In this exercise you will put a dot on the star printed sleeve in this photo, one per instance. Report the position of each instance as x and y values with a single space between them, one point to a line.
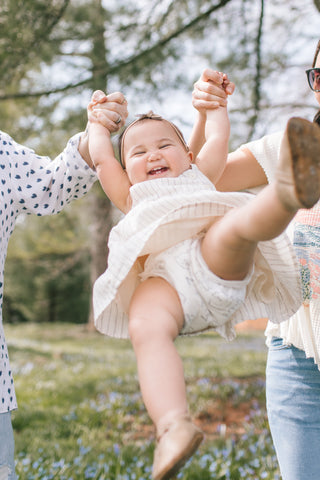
40 185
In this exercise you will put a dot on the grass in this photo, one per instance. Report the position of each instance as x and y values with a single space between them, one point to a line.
81 415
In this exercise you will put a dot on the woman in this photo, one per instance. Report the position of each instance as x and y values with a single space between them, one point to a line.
34 184
293 376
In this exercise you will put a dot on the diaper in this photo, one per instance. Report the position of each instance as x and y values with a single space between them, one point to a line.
208 301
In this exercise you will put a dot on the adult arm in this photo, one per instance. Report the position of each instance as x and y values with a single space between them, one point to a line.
38 184
242 171
43 186
251 165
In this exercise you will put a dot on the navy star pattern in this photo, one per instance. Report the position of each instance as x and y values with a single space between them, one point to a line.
32 184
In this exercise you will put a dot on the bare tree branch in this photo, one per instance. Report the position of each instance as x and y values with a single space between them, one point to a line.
53 20
38 27
113 69
257 86
275 106
317 4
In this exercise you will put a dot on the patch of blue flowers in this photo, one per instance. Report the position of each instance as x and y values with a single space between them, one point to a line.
250 456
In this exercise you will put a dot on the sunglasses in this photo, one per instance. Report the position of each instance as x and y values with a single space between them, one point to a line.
313 75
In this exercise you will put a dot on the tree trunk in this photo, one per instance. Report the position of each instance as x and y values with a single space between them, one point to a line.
100 210
100 207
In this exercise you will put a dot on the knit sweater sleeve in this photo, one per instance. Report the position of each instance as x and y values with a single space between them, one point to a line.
266 151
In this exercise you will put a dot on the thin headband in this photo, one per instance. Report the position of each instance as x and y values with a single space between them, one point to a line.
149 116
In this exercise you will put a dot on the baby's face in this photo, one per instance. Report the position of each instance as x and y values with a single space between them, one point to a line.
152 150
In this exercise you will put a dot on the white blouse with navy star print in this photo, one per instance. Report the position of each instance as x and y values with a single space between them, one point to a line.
33 184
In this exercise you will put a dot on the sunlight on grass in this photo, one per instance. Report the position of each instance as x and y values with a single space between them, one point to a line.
81 416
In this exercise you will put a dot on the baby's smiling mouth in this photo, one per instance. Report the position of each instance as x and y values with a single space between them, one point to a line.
158 170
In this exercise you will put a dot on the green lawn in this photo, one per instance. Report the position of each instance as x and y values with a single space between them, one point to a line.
81 416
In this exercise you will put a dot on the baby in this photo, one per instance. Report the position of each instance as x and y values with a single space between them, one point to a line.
186 258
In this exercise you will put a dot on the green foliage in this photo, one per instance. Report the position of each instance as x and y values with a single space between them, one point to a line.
47 271
54 50
79 392
24 32
53 54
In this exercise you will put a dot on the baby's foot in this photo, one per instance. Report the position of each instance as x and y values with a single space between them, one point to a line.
175 446
298 172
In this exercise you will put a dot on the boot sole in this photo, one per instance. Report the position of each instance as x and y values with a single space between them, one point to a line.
304 144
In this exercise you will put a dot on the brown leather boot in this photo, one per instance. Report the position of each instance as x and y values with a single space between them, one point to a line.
176 445
298 172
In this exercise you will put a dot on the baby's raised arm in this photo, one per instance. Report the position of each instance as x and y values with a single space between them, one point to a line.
242 170
113 178
212 157
207 94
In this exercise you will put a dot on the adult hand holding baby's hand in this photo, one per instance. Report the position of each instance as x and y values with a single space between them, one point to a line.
211 90
109 110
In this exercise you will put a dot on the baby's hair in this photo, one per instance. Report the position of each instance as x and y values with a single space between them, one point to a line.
148 116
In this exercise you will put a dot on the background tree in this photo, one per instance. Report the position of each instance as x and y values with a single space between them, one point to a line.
56 53
48 271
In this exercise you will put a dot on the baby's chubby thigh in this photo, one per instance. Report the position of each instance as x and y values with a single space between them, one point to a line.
225 251
155 311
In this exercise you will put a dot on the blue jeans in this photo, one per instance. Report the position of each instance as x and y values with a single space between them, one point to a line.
293 404
7 470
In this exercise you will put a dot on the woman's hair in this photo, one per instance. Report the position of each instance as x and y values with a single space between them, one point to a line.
316 55
317 52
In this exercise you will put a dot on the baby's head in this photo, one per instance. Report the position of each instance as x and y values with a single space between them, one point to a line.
152 147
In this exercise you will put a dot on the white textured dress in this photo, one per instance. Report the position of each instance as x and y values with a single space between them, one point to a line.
166 211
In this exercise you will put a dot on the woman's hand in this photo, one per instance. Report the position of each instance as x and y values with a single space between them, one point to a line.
109 110
211 90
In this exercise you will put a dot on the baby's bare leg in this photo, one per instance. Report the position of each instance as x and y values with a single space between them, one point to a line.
229 245
156 318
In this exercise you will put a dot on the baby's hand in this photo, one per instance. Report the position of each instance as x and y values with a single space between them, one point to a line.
108 110
211 90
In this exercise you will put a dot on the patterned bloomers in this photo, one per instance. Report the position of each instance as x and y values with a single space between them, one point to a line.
208 301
